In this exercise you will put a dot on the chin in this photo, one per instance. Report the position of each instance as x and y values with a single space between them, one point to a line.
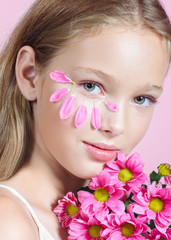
91 173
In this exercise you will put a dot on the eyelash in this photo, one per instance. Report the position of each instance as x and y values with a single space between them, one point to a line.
96 84
152 100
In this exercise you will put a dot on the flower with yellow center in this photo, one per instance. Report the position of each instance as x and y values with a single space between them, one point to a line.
156 205
105 196
125 175
101 194
164 169
127 229
71 209
94 231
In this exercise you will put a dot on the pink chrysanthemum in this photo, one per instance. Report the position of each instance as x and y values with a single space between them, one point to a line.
165 170
85 228
154 203
156 235
106 196
67 209
128 173
123 227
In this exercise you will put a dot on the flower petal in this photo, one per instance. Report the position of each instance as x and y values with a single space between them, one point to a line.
151 214
56 96
112 106
95 118
67 107
135 164
121 159
115 205
60 77
81 116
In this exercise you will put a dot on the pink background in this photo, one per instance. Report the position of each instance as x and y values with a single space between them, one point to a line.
155 147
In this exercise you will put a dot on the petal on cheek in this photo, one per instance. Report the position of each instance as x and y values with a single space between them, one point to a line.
112 106
56 96
81 116
95 118
67 107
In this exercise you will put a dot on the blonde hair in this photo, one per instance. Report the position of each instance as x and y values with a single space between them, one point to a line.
48 27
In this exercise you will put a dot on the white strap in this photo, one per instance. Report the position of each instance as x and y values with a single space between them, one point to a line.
40 226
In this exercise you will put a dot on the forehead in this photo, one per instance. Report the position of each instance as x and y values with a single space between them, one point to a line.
121 53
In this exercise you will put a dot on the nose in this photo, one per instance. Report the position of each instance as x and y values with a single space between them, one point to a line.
114 123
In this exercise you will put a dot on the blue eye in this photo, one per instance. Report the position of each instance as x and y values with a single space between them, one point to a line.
144 100
92 87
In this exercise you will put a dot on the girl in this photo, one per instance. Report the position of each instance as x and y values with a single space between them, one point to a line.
79 81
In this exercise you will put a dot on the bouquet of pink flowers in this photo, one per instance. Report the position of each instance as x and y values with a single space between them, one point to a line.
121 202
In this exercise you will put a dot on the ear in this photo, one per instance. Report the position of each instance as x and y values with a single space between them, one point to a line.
25 71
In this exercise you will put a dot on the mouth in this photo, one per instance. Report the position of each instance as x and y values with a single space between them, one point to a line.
100 151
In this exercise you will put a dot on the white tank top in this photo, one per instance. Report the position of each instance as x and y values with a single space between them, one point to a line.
43 233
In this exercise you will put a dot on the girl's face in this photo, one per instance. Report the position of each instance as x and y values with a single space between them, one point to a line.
124 67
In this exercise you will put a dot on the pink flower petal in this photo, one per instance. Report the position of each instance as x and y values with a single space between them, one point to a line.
135 164
112 106
100 215
67 107
81 116
151 214
121 159
95 118
115 205
56 96
161 229
60 77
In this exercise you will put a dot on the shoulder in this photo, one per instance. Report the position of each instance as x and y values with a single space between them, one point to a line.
15 221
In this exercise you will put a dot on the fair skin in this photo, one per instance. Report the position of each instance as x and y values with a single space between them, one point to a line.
128 68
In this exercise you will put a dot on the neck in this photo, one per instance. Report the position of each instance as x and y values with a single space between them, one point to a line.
44 179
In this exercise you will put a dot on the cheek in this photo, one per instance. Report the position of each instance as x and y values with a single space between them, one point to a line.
74 109
137 128
58 134
62 141
51 127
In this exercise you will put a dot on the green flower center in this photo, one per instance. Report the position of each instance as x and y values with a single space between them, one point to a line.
71 209
164 169
94 231
156 204
162 238
125 175
101 194
127 229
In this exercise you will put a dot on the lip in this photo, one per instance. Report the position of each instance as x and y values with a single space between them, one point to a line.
101 151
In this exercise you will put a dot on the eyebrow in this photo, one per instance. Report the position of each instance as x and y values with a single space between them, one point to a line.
102 74
149 87
97 72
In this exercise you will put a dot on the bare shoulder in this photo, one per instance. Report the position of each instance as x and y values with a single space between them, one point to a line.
15 221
